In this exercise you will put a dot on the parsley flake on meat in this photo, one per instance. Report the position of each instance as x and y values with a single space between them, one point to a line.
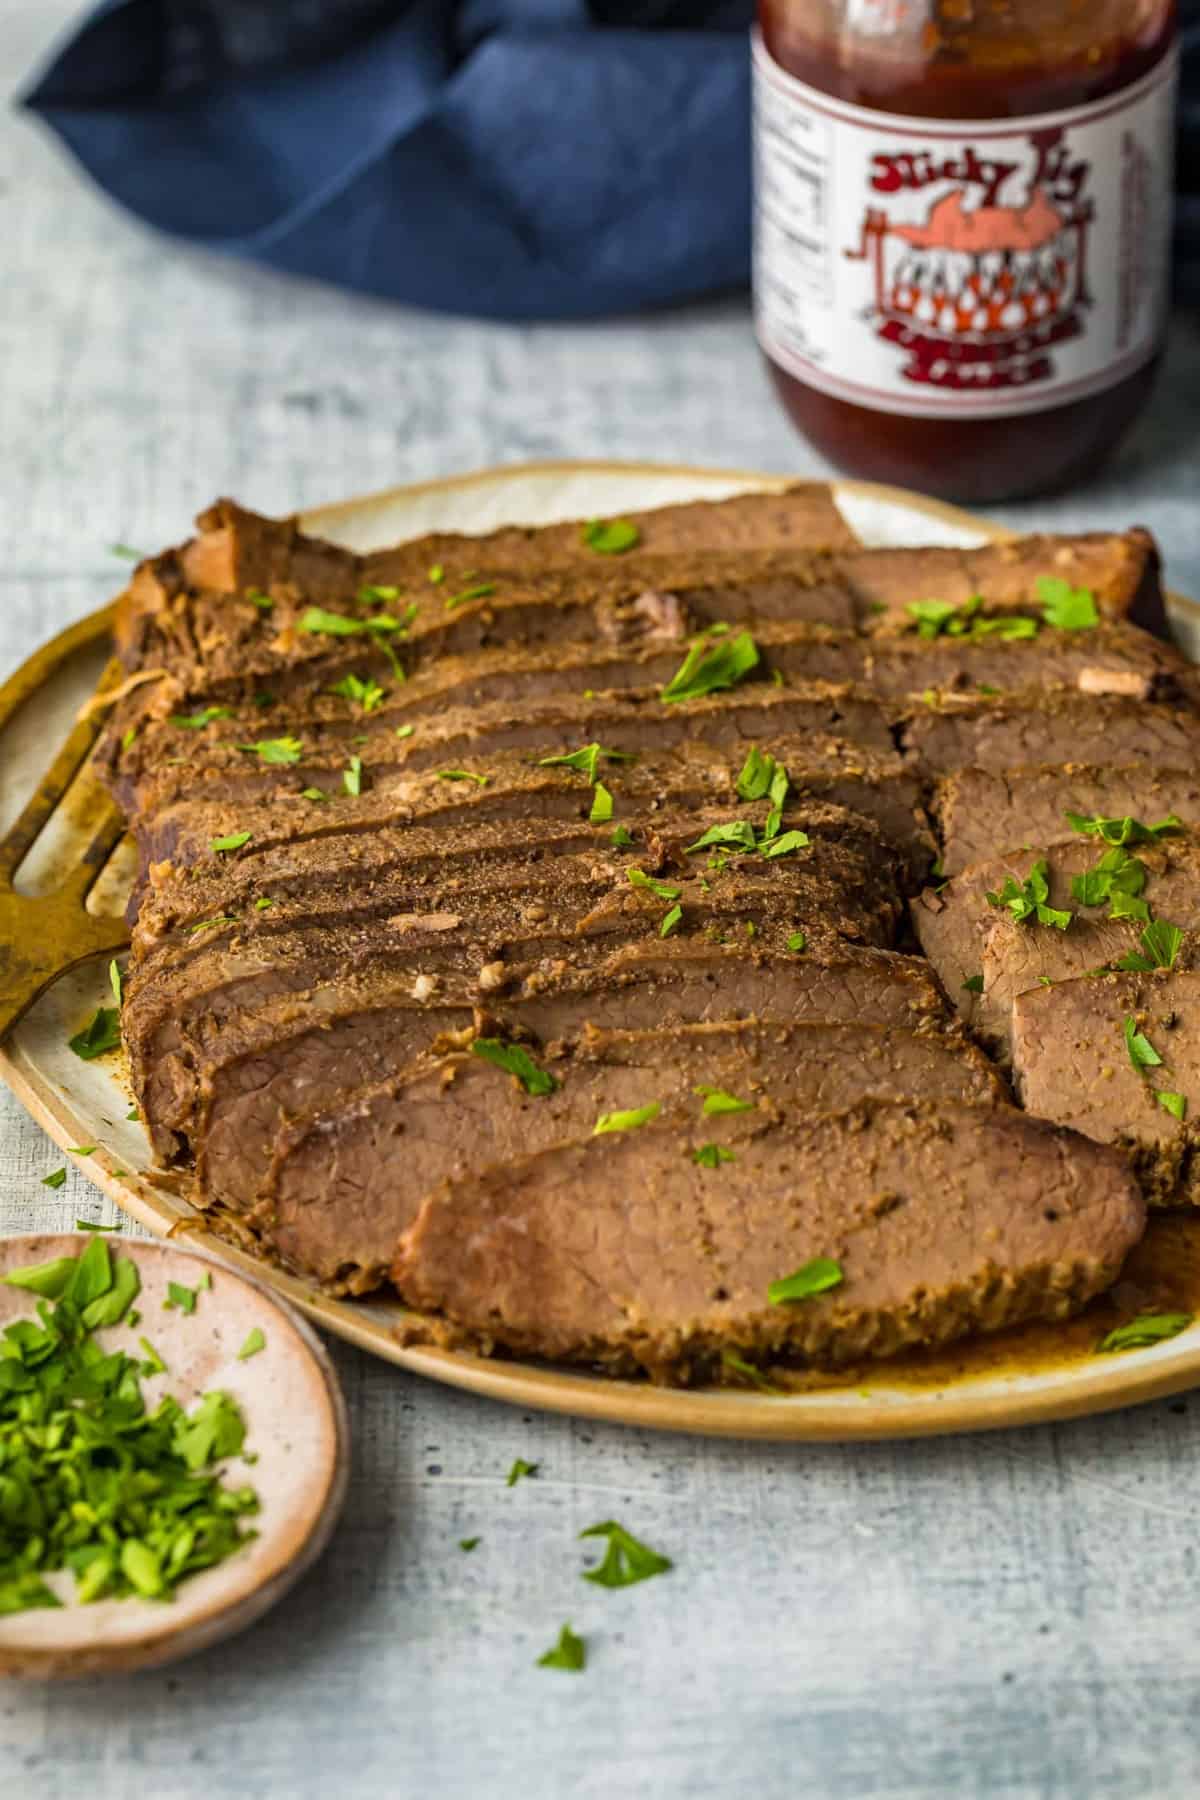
211 924
602 805
738 833
638 878
587 759
797 942
461 775
626 1121
941 618
198 720
275 750
785 845
366 694
1119 832
313 793
710 668
737 1365
480 591
671 921
1175 1104
815 1277
1065 607
1027 899
404 731
973 984
711 1156
1142 1053
234 841
570 1652
610 537
352 777
622 840
1118 878
626 1561
1161 944
1150 1328
517 1062
716 1100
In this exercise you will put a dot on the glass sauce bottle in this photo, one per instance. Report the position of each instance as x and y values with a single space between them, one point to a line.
962 229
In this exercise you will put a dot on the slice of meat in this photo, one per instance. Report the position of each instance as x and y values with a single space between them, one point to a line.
620 1250
347 1180
981 812
966 937
1058 726
184 1057
1072 1064
1120 570
1108 659
164 764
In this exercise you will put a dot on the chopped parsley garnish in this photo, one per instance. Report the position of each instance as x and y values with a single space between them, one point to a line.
815 1277
330 624
1150 1328
317 621
479 592
369 594
1142 1053
570 1652
181 1297
1119 832
404 731
256 597
198 720
352 776
671 921
610 537
626 1560
211 924
1175 1104
520 1470
1117 878
638 878
82 1149
1027 899
129 738
254 1342
275 750
785 844
365 694
437 574
941 618
973 984
737 1365
313 793
94 1225
602 805
587 759
716 1100
127 1497
1065 607
711 1156
626 1121
54 1180
621 838
114 979
517 1062
461 775
798 941
102 1032
126 552
756 776
709 668
234 841
263 902
470 1543
1161 944
738 833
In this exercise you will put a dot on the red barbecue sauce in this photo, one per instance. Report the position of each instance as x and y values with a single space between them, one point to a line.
987 60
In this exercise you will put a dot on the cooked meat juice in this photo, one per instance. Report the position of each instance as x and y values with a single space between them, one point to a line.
962 231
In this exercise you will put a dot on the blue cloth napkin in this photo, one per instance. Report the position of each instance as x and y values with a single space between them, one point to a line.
514 159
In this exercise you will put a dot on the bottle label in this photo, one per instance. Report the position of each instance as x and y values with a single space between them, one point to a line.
960 268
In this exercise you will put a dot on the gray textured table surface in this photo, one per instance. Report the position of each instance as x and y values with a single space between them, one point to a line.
1013 1615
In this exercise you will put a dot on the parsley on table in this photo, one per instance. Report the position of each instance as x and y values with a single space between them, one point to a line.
626 1121
1065 607
711 1156
516 1062
709 668
626 1560
469 1543
278 751
520 1470
366 694
716 1100
1150 1328
1027 899
102 1032
55 1179
234 841
610 537
126 552
1142 1053
570 1652
94 1225
813 1278
1161 944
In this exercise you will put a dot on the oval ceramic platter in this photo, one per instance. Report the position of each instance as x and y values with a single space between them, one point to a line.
1015 1378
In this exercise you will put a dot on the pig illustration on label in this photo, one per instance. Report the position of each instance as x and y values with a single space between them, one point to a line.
975 292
